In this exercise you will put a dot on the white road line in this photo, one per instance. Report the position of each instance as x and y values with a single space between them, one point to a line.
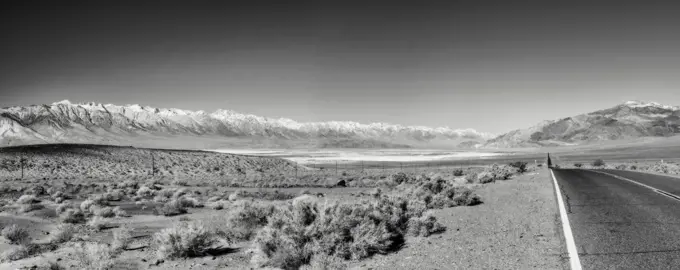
667 194
568 236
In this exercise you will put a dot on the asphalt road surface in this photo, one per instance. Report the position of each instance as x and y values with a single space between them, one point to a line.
618 224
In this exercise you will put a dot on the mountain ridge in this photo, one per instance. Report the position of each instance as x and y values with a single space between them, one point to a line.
631 119
90 122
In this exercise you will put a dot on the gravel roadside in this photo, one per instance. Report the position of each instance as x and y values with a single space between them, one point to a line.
517 227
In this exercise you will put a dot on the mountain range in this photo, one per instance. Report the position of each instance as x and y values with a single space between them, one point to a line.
632 119
66 122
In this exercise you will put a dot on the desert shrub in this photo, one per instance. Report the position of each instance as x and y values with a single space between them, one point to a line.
621 167
465 197
424 225
145 191
20 252
218 205
86 205
246 217
61 208
458 172
633 167
25 208
180 182
399 178
521 166
15 234
303 229
120 212
325 262
97 223
171 208
97 256
183 240
598 163
114 195
471 178
121 238
99 199
188 201
72 216
105 212
62 233
578 165
237 195
485 177
27 199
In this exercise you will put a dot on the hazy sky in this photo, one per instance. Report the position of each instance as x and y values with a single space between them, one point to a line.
479 64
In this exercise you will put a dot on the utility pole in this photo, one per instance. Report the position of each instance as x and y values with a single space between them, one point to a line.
21 162
153 165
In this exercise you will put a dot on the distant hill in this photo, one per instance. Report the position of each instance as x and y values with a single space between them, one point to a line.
77 161
632 119
66 122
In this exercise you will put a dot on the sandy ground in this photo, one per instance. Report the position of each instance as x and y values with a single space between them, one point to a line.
517 227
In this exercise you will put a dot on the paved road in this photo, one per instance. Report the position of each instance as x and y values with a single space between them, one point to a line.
622 225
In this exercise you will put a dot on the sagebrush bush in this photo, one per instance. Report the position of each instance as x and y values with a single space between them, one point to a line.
171 208
119 212
73 216
246 217
25 208
303 229
20 252
122 237
105 212
458 172
424 225
578 165
98 256
598 163
183 240
62 233
521 166
27 199
15 234
97 223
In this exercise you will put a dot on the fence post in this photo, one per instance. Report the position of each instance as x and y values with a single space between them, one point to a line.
21 162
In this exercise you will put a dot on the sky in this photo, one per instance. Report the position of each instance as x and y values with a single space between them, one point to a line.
493 66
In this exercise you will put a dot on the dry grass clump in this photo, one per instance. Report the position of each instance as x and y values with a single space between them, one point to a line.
183 240
304 229
15 234
62 233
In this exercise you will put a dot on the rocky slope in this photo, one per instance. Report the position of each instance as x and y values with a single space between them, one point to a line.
632 119
66 122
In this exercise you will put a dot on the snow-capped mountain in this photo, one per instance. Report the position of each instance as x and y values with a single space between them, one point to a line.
132 124
632 119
